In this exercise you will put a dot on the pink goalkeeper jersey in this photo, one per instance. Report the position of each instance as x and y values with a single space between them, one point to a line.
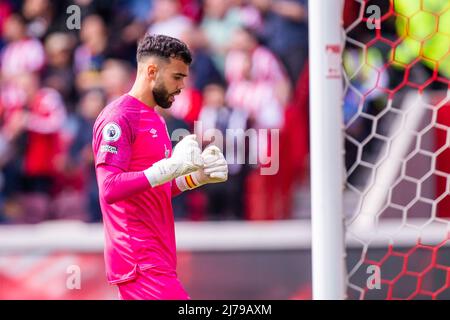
139 230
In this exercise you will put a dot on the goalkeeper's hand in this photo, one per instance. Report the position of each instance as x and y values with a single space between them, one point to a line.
214 170
186 158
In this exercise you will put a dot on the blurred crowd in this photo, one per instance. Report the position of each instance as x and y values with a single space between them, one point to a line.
249 72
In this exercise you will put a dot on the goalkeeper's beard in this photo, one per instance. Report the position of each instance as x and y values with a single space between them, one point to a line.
161 95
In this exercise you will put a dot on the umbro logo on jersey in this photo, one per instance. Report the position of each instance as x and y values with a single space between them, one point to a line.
154 133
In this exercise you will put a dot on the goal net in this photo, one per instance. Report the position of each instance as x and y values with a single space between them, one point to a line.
396 116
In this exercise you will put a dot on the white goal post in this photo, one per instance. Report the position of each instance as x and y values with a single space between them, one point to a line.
326 132
381 106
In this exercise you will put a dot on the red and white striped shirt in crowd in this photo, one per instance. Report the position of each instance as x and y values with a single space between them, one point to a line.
264 66
253 84
47 112
45 121
258 99
22 56
12 97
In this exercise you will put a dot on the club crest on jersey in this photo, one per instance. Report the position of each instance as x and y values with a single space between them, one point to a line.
111 132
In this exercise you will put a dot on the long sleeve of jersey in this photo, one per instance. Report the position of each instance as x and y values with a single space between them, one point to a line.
116 185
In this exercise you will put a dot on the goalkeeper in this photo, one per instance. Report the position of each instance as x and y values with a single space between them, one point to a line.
138 173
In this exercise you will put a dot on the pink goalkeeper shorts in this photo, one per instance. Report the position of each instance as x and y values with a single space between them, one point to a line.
152 286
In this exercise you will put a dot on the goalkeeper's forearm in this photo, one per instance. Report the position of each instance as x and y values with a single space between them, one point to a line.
116 185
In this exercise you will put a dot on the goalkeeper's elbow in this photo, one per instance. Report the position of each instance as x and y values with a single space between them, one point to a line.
109 198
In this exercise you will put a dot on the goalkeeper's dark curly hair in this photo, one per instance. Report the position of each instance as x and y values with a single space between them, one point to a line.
164 47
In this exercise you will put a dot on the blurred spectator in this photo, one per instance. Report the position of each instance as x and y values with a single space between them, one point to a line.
92 51
116 78
259 86
58 73
202 70
21 53
167 19
79 176
226 201
41 119
219 23
90 55
126 33
137 8
192 9
293 171
103 8
46 115
11 159
257 81
285 32
39 14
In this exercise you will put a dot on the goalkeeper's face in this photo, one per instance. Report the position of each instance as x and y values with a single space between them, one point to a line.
169 82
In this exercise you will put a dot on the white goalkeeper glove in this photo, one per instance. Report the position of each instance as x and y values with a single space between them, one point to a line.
186 158
215 170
